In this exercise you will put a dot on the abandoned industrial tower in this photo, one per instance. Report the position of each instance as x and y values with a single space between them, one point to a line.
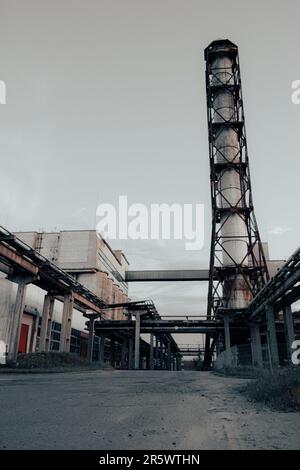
68 291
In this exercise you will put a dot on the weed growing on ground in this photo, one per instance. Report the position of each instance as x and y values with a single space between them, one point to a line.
280 389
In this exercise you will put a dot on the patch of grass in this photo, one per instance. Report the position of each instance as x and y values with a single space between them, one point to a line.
280 389
52 360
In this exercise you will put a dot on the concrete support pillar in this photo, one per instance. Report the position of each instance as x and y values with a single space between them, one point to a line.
102 349
257 359
124 354
97 341
130 354
16 321
35 325
168 358
151 357
112 353
178 361
156 352
45 335
288 329
137 341
91 339
66 324
272 337
227 332
161 353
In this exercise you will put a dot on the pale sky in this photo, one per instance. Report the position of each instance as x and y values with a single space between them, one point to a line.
107 98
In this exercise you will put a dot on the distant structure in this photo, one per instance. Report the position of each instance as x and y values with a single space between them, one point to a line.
67 292
92 262
88 257
238 268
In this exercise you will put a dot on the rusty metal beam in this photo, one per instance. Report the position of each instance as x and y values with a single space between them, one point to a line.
87 303
17 260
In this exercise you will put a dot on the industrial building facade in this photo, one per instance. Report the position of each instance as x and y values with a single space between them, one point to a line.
92 262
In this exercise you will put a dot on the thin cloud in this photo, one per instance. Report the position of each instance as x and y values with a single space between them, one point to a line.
279 230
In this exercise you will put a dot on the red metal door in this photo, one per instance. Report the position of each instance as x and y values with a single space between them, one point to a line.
23 338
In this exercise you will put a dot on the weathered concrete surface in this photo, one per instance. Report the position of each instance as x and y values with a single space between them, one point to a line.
137 410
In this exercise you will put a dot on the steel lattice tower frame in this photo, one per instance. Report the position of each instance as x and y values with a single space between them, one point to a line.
238 268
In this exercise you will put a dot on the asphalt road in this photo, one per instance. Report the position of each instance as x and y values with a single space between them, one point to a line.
137 410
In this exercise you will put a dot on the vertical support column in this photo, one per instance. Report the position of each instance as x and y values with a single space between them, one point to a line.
16 322
91 339
288 329
156 352
45 335
137 341
130 354
112 352
257 359
272 337
35 324
161 353
227 332
97 347
169 356
151 357
66 325
102 349
123 354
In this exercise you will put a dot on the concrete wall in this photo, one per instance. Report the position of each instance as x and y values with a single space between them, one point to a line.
82 253
228 358
7 300
274 266
70 250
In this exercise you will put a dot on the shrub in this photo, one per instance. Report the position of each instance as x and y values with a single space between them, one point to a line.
49 360
280 389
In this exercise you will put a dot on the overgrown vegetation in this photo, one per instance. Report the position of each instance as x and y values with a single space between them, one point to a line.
48 360
53 360
243 372
280 389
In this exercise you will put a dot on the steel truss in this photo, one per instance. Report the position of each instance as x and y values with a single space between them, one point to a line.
254 272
